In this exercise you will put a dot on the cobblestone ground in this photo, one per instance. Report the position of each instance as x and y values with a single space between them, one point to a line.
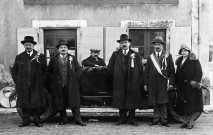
103 126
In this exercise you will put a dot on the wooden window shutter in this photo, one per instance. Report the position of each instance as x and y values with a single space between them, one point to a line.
22 32
178 36
112 35
88 38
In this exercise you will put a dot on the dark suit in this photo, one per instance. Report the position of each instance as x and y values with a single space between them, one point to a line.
29 75
126 82
157 84
64 85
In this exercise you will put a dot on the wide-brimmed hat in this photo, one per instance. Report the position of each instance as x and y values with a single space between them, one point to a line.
95 50
184 46
124 37
158 39
62 42
29 39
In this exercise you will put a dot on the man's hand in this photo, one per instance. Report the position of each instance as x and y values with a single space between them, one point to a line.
145 88
170 87
195 84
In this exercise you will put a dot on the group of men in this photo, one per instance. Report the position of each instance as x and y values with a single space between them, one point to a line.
30 74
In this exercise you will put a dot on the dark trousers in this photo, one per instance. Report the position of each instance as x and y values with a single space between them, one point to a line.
123 114
27 113
75 112
160 113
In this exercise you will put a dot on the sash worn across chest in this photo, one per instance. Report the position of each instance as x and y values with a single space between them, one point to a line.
157 66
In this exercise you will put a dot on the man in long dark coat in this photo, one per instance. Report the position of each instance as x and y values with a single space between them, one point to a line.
126 67
63 70
158 79
29 74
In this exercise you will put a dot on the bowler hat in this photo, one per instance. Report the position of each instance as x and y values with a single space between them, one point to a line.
95 50
28 39
124 37
158 39
184 46
62 42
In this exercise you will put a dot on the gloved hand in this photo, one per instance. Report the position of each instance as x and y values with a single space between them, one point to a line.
170 87
145 88
100 67
195 84
90 69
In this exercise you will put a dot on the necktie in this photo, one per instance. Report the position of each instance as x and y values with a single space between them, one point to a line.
158 55
28 54
124 52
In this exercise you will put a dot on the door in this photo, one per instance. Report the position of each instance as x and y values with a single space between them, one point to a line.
142 39
53 36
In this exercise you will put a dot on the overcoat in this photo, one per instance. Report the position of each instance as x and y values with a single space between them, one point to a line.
189 98
91 62
131 99
156 83
72 82
29 75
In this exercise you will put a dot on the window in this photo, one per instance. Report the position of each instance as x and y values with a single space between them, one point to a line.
142 39
53 36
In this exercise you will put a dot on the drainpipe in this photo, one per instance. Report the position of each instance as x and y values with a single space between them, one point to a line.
199 29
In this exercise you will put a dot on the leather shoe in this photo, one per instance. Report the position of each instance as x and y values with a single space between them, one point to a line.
63 122
80 123
154 123
38 124
120 122
183 126
189 126
165 124
24 124
134 123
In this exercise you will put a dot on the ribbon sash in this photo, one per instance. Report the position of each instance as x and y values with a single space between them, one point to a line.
157 66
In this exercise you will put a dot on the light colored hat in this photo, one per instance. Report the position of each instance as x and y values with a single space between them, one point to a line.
184 46
158 39
95 50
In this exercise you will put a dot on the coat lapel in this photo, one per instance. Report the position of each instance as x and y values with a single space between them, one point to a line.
185 63
119 58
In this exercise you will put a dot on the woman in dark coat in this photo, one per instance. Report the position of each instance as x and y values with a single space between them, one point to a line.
188 77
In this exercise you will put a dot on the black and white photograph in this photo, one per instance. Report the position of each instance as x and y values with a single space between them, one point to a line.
106 67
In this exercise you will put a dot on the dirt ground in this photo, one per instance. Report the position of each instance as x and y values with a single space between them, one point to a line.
103 125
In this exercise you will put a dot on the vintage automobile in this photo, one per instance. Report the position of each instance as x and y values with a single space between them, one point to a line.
96 91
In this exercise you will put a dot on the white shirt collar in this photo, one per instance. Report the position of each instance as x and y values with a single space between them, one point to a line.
159 53
31 53
127 50
62 56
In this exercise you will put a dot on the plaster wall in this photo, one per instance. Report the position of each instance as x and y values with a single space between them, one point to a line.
15 14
